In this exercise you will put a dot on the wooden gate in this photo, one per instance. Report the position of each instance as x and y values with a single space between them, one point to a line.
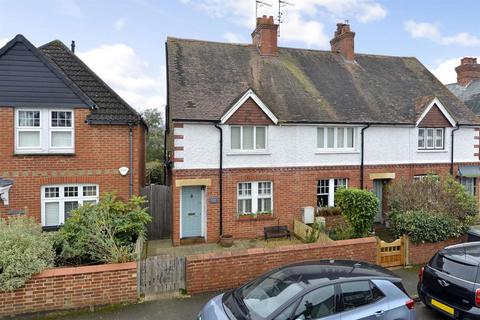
391 254
160 208
160 276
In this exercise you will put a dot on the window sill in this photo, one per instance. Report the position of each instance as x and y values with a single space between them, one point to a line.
249 153
337 152
36 154
50 228
259 217
431 151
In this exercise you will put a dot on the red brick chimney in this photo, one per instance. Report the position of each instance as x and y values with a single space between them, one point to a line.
467 71
343 41
265 36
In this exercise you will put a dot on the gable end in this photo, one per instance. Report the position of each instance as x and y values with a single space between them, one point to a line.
434 119
250 113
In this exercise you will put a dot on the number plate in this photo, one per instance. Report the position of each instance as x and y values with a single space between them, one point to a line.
443 307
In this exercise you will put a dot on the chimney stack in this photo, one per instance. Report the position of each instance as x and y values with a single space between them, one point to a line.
265 36
467 71
343 41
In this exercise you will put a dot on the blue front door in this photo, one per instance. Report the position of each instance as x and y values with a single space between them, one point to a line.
191 212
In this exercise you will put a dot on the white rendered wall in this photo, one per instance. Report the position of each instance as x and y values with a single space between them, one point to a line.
295 145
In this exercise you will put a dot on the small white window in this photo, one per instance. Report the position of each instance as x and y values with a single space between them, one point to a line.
326 189
431 138
44 131
254 197
59 201
248 138
336 139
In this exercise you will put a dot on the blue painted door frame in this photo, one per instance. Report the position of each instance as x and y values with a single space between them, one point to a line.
192 211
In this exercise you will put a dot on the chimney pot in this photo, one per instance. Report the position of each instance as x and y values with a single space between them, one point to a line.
467 71
343 41
265 36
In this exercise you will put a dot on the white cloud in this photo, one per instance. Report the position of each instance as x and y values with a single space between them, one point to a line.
445 70
119 24
430 31
3 41
233 37
128 74
301 21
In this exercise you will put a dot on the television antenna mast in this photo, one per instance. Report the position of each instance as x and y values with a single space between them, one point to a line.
258 4
281 4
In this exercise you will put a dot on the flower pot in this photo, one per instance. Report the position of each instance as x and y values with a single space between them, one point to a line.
226 240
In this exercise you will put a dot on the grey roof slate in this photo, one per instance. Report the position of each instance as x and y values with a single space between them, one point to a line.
469 94
205 79
111 107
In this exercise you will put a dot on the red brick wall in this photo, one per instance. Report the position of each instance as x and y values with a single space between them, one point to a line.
99 151
337 221
71 288
221 271
293 188
249 113
423 252
434 119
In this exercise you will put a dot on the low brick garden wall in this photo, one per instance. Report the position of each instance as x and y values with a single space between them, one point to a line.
422 253
220 271
71 288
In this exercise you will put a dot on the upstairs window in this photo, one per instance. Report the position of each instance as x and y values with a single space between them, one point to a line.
431 138
336 139
44 131
248 138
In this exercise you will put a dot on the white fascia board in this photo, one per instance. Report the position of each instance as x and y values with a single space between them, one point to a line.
241 101
444 111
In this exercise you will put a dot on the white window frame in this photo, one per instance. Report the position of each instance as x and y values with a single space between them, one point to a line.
255 149
470 185
46 129
254 196
335 148
61 199
434 139
332 185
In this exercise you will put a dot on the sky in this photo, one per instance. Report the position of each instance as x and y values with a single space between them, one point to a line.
123 41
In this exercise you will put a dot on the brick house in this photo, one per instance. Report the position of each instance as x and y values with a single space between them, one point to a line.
66 136
256 131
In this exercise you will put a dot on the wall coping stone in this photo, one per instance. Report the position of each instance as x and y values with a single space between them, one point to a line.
58 272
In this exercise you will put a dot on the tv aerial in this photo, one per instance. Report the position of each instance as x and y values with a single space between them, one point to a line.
282 4
260 3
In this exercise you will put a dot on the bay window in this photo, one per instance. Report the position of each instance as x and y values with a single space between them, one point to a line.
431 138
59 200
254 197
336 138
248 138
326 189
44 131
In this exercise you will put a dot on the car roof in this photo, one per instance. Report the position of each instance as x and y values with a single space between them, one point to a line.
468 253
330 270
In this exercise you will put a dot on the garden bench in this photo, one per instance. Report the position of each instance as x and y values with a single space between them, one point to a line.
276 232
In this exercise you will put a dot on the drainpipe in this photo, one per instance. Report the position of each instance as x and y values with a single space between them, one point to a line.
451 155
220 174
130 139
362 156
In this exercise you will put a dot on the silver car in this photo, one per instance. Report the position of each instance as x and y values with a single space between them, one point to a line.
326 289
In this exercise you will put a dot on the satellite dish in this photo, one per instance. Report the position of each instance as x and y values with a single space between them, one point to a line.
123 171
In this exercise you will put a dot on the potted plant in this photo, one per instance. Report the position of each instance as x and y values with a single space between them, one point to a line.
226 240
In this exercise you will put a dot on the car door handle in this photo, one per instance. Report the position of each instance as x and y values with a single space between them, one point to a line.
379 313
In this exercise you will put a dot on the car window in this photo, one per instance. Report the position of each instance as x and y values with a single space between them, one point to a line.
454 268
285 314
316 304
358 293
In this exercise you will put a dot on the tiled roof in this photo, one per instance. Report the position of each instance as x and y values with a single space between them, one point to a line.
300 85
111 107
470 94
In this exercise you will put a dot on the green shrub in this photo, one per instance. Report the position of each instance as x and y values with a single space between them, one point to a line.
24 251
102 233
154 171
328 211
423 226
359 208
341 233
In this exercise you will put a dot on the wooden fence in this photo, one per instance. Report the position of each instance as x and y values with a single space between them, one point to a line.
162 275
160 208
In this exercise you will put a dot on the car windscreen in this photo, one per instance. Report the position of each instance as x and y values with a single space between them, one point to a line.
265 295
454 268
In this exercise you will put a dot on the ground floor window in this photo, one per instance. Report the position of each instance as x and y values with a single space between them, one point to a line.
59 200
470 185
254 197
326 190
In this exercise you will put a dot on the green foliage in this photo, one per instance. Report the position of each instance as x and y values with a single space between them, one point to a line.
423 226
359 208
432 194
341 233
155 171
155 140
102 233
24 251
313 234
